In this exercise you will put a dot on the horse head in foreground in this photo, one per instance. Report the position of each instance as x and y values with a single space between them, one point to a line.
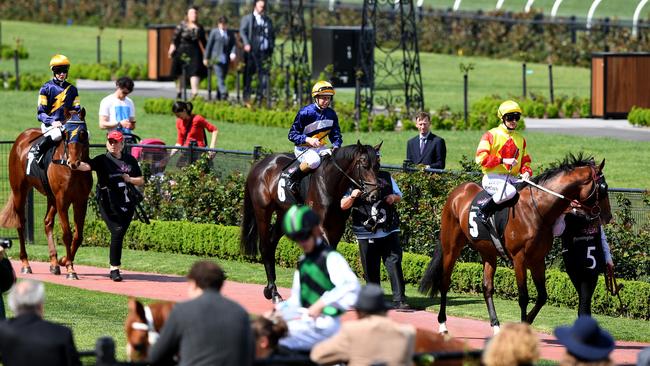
142 326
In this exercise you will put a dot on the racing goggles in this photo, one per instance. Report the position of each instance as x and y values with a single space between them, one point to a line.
60 69
510 117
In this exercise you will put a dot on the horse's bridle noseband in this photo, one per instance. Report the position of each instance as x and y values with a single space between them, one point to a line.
64 159
149 327
362 185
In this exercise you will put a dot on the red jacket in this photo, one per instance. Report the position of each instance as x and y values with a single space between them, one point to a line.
194 130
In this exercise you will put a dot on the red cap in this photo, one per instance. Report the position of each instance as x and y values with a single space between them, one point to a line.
115 135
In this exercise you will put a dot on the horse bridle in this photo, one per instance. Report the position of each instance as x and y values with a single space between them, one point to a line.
66 142
149 327
361 185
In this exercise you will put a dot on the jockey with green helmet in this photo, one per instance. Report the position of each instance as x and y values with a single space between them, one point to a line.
324 286
55 96
312 124
502 154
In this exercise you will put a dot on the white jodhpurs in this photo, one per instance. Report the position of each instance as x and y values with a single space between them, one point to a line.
312 156
53 132
305 332
499 186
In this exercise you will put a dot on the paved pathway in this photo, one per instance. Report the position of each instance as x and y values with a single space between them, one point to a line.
173 288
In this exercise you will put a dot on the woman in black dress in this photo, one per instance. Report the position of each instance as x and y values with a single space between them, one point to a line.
187 49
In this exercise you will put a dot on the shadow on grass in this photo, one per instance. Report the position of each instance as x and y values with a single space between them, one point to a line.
422 302
141 277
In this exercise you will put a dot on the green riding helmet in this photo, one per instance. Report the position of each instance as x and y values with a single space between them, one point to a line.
299 222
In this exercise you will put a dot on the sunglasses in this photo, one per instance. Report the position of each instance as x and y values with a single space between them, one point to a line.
113 142
60 70
510 117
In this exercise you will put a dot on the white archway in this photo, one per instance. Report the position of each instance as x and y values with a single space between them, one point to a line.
499 4
529 5
592 10
635 19
556 7
456 5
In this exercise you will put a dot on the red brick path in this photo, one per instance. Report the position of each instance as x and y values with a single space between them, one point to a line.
173 288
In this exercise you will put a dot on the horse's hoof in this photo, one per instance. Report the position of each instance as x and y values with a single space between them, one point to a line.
277 299
26 270
268 293
72 276
55 270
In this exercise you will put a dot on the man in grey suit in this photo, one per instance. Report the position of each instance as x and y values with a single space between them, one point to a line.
219 51
257 34
208 329
426 148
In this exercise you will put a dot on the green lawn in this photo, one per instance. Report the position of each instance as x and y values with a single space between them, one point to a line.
624 166
441 78
462 305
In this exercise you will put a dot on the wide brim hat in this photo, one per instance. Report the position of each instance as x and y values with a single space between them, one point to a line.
371 300
586 340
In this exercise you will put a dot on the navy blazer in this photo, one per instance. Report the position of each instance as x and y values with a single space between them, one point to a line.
434 154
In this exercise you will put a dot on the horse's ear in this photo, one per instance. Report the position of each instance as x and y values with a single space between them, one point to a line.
136 307
378 147
66 114
82 114
601 166
359 145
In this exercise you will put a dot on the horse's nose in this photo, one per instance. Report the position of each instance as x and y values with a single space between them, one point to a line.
74 165
373 196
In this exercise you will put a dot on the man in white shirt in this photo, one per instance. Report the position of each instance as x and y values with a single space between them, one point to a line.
324 286
117 111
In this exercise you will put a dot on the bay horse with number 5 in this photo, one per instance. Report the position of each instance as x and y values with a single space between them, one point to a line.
67 186
350 166
528 236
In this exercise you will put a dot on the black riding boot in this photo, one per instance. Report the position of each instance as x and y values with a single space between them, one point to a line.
294 181
40 147
485 210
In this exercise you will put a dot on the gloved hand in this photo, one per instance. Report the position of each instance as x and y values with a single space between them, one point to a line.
509 161
525 176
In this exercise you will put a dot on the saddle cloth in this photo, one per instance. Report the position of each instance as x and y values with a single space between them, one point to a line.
41 173
284 193
497 222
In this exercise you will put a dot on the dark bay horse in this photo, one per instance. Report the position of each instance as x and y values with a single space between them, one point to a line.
528 235
66 186
350 166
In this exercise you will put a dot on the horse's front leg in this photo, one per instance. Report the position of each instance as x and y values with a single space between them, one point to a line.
48 223
538 272
79 209
62 209
489 268
522 285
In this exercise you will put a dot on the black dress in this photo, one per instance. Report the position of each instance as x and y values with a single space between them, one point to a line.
191 43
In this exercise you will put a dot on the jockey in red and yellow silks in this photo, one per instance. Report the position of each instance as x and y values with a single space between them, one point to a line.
503 156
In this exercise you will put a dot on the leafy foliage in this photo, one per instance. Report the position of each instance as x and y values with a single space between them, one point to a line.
639 116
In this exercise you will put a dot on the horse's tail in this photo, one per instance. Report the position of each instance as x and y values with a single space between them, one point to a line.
249 237
432 278
8 217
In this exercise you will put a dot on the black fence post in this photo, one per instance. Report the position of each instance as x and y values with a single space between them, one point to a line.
99 49
550 83
210 83
357 100
572 26
237 86
465 102
29 232
105 351
16 62
523 79
119 52
192 147
257 152
406 164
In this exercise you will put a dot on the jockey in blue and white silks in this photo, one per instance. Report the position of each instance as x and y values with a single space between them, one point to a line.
55 96
313 123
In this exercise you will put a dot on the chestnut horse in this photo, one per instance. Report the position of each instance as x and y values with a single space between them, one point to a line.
143 325
528 234
350 166
66 186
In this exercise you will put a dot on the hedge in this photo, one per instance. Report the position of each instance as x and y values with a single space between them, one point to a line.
223 242
639 116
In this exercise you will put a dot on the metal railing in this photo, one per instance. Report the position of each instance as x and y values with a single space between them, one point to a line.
155 159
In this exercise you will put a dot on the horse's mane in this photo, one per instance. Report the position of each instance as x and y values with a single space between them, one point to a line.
569 163
349 152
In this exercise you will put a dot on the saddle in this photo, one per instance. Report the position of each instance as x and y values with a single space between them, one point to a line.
39 173
496 226
284 193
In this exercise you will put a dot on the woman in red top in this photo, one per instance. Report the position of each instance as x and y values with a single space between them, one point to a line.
191 127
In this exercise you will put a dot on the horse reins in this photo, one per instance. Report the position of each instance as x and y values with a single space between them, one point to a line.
149 327
362 185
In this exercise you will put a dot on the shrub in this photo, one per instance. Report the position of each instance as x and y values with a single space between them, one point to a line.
7 52
639 116
223 242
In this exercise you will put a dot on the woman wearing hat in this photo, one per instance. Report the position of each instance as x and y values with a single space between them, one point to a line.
585 342
115 171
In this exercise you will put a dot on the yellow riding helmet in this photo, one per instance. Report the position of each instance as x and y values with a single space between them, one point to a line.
509 106
322 88
59 60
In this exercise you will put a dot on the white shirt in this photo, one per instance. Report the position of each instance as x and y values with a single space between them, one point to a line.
117 110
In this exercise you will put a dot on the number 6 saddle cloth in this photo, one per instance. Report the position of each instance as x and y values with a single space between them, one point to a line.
496 222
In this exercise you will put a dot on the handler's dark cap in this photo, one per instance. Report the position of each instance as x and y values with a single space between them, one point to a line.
586 340
371 299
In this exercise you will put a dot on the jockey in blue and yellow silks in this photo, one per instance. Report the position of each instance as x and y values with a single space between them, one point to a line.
503 155
313 123
55 96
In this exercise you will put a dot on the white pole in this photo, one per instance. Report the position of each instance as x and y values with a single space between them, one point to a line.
635 20
456 5
499 4
420 3
529 5
592 10
556 6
